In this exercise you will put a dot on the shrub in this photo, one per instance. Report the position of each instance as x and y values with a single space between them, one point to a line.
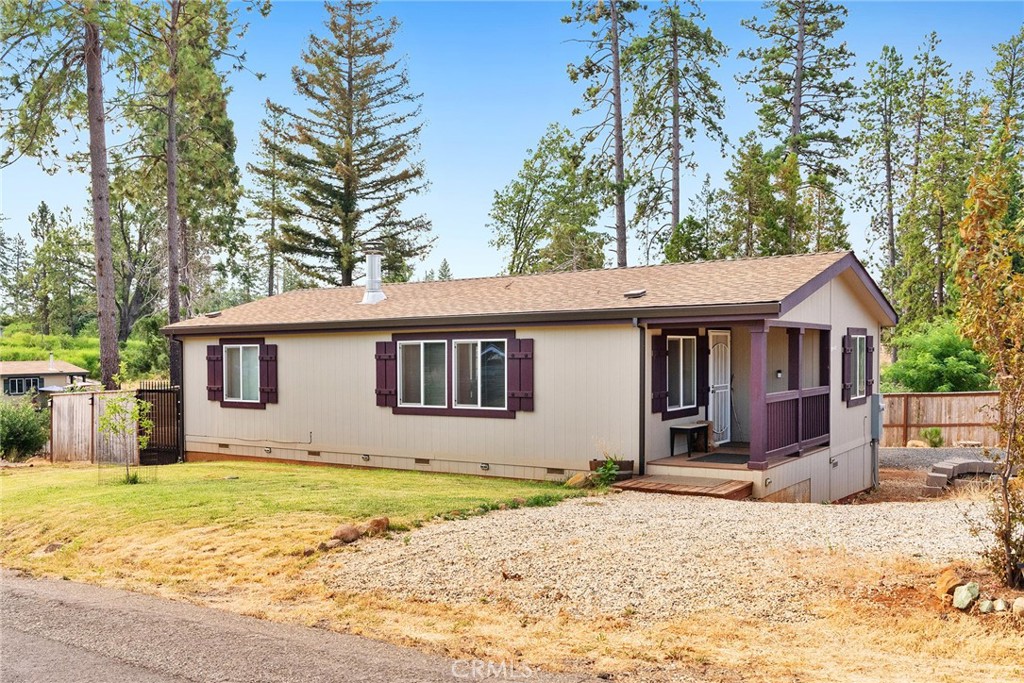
936 358
607 472
23 429
932 436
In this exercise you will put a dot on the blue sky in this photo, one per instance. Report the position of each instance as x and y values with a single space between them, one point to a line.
493 76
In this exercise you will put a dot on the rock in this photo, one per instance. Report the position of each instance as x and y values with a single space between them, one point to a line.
578 481
377 526
1000 605
914 443
519 502
331 544
985 606
965 595
937 479
1018 607
347 533
308 551
947 582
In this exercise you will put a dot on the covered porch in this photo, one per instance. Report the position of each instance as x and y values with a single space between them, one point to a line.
768 398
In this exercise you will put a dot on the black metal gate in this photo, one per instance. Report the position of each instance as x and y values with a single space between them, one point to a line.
165 441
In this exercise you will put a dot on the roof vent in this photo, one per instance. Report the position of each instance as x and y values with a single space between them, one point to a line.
635 293
373 294
213 314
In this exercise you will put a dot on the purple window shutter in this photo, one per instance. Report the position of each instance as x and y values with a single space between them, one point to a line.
268 373
520 374
214 372
869 364
703 357
847 366
387 374
659 374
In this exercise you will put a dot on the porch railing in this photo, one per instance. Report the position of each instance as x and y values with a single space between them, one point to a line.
796 420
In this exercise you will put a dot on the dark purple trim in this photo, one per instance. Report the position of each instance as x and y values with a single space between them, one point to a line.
758 398
796 349
247 341
456 412
849 260
665 333
242 340
852 332
825 357
450 410
705 321
794 323
243 404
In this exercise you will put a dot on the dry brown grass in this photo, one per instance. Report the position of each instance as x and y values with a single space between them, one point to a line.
873 618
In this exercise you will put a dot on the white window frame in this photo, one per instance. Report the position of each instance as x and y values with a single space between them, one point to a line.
241 368
26 384
859 367
682 372
423 373
479 375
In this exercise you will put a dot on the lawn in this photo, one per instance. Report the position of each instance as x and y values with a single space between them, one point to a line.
203 528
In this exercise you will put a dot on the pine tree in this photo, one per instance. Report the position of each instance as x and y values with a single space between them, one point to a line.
748 199
603 69
444 272
880 167
1007 80
802 94
826 228
786 219
54 64
677 98
14 295
348 159
59 281
269 193
696 237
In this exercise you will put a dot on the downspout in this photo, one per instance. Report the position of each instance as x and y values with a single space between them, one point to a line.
180 407
641 459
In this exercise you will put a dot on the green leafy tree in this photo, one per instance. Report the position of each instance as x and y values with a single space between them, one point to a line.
53 58
936 358
349 158
555 198
602 70
60 276
991 281
676 99
801 91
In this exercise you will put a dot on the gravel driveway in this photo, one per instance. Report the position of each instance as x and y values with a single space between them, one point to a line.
646 554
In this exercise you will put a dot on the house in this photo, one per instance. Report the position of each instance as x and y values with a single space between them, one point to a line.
533 376
28 376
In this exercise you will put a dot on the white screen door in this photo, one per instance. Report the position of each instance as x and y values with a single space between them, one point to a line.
719 376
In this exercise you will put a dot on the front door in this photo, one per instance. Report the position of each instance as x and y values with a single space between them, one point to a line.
719 377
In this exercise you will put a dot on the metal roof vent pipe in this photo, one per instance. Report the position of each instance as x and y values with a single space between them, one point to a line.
373 294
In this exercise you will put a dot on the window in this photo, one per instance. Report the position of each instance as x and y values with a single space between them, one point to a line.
682 372
242 373
17 386
480 370
422 371
860 367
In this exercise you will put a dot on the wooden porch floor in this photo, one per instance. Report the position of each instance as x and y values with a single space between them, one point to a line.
731 489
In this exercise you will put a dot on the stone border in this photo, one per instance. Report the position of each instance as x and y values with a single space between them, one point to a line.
943 473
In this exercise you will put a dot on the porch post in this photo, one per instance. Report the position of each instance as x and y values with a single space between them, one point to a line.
796 354
758 407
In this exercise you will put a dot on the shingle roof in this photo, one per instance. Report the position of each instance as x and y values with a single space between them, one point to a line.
39 367
590 293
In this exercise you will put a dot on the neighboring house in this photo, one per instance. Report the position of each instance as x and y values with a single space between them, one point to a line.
27 376
533 376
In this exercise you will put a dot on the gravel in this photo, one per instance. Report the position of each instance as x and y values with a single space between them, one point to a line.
647 555
923 458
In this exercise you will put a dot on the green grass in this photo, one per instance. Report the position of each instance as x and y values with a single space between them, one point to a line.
237 493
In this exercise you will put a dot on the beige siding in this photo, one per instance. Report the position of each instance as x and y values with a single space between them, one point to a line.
586 384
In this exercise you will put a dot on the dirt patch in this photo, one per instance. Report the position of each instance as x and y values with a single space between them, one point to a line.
896 486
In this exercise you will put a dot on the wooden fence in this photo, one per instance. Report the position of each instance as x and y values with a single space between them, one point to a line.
75 434
963 416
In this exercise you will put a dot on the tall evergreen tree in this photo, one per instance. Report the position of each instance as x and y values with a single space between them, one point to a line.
798 73
269 192
444 271
696 237
826 228
1007 81
349 159
748 198
602 69
54 63
676 98
59 280
880 173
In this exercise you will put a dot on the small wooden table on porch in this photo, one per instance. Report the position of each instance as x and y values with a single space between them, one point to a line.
698 437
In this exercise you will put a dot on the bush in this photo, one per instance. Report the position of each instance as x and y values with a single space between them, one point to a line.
23 429
932 436
936 358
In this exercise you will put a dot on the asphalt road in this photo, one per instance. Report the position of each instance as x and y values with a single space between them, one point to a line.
58 631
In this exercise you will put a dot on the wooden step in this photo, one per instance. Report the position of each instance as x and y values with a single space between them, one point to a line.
731 489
